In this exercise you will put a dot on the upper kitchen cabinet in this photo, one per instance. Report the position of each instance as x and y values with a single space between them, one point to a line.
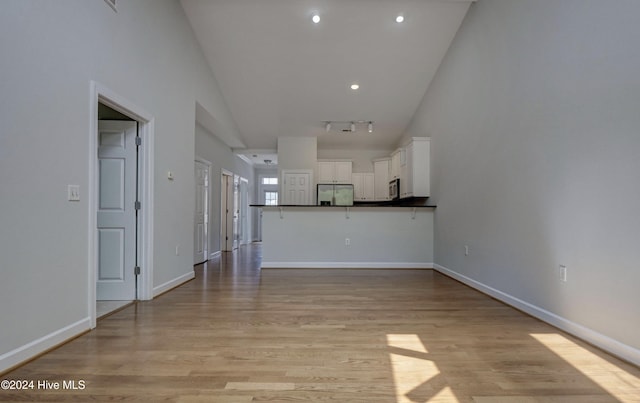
335 172
415 168
381 168
397 159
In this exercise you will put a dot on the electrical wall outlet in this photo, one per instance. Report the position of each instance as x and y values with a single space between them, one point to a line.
466 250
347 241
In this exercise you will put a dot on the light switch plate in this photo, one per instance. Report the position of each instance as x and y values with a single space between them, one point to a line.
73 192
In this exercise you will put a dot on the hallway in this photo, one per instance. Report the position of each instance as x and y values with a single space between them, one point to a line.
238 334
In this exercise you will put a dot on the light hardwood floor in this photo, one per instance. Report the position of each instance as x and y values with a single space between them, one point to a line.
239 334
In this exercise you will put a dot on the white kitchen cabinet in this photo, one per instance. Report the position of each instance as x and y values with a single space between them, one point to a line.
334 172
325 171
415 168
406 177
343 171
381 169
363 186
396 160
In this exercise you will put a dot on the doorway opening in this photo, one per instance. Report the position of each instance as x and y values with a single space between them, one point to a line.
228 211
120 203
268 194
202 173
244 235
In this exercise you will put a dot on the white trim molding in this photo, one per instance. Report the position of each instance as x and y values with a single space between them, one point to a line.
101 94
30 350
606 343
214 254
162 288
346 265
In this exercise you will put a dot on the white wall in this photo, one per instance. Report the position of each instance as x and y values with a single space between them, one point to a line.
384 237
145 53
362 159
534 118
297 153
212 149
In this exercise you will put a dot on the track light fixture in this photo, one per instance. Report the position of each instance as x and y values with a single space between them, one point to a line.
347 125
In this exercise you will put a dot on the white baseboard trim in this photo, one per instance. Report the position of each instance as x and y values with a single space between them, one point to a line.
346 265
30 350
214 254
606 343
162 288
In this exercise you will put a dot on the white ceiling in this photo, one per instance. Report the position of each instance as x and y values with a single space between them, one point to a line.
282 75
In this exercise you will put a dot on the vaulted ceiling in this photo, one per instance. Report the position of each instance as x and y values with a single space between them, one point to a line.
281 74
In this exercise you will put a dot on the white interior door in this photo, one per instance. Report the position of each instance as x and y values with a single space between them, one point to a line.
201 214
297 188
116 213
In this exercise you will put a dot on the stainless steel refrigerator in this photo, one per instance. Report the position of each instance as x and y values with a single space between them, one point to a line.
335 195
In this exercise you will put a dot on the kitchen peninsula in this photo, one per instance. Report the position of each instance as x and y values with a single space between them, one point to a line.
359 236
329 216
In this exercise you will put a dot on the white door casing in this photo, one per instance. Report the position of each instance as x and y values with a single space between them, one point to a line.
236 211
101 94
201 213
116 216
226 212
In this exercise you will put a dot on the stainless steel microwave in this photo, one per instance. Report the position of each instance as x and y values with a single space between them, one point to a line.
394 189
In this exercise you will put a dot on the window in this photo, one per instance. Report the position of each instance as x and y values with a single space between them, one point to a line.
269 181
270 198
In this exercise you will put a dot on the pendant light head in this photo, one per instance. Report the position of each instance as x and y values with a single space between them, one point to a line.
327 127
370 127
353 127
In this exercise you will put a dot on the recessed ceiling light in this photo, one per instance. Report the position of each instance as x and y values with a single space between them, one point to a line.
354 86
315 18
399 18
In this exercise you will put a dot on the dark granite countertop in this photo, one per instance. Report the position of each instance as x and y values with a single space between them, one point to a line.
411 202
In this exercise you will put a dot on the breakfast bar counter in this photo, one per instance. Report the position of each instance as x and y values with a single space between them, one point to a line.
359 236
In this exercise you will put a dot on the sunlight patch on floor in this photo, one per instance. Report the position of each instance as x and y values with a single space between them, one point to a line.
615 380
414 374
408 341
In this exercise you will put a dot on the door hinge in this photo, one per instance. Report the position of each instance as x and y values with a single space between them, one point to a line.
137 205
136 270
138 141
